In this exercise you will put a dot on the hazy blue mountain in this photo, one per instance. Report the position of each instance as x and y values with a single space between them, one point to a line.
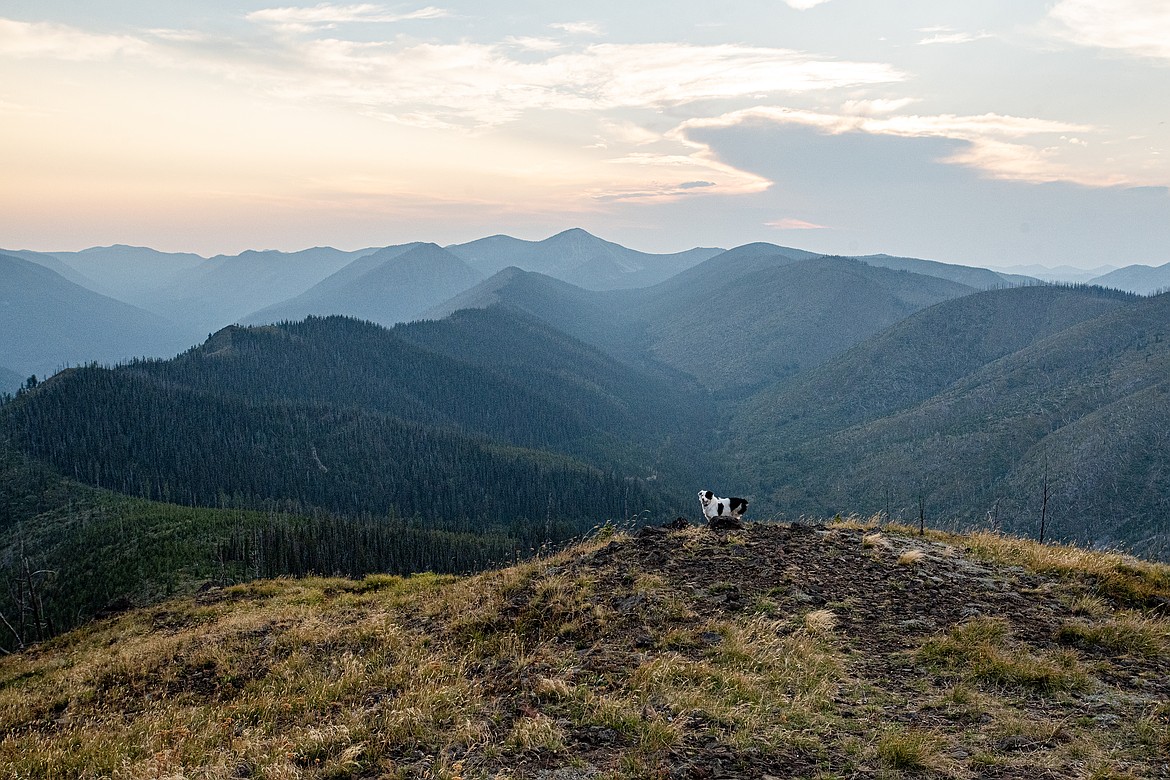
596 318
10 380
226 288
53 263
338 280
48 323
1140 279
395 284
742 319
580 258
747 316
1088 405
735 263
979 278
133 274
1060 273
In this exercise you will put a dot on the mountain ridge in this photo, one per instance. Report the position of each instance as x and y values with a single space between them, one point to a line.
48 322
771 651
579 258
392 285
1023 424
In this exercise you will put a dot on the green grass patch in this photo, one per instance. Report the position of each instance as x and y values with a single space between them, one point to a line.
982 650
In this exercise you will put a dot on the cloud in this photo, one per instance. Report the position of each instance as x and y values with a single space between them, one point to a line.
989 142
789 223
897 194
947 37
578 28
878 106
532 43
665 192
327 13
1137 27
55 41
477 85
460 84
804 5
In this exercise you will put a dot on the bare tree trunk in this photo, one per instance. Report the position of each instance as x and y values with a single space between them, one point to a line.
1044 501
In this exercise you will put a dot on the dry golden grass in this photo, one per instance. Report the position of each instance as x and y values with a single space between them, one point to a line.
855 522
758 681
910 557
820 622
482 676
1114 574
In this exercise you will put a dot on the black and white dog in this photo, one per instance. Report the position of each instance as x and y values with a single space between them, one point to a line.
713 506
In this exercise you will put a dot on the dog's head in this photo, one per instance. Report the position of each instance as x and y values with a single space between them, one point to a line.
706 497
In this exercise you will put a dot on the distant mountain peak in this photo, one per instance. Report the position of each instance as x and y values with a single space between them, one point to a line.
574 232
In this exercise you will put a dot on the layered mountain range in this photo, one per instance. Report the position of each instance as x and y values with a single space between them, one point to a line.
477 392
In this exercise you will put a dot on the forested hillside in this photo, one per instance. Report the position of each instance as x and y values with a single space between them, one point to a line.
1069 425
69 552
348 417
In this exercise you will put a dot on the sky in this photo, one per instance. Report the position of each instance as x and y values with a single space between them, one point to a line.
984 132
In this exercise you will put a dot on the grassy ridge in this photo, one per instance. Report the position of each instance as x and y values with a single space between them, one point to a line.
748 653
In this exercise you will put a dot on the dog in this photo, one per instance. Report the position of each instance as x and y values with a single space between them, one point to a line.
714 507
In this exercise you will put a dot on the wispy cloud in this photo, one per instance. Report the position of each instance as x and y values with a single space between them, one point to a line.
55 41
578 28
533 43
804 5
656 192
946 36
328 13
1136 27
790 223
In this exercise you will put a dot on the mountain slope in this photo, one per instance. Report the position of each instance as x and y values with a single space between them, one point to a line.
395 284
748 316
593 317
736 322
226 288
350 417
48 322
978 278
1080 415
132 274
1140 279
92 551
579 258
776 651
53 264
913 360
